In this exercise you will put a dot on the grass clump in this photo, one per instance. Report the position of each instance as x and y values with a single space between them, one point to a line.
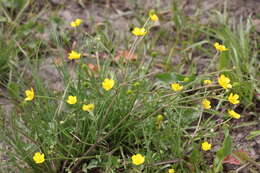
116 113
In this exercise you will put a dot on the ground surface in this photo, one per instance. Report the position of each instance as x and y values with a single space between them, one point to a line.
121 12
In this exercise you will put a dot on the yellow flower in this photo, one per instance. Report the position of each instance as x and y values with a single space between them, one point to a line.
108 84
207 82
176 87
75 23
220 47
138 159
139 31
233 114
74 55
38 157
88 107
205 146
233 98
153 16
72 100
171 170
224 82
29 95
206 104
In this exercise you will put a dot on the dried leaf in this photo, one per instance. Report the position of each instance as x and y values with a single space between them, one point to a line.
57 61
92 67
236 158
230 159
125 54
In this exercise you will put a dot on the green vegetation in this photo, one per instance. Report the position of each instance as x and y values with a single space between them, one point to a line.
163 91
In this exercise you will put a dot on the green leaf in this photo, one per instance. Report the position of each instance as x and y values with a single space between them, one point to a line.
166 77
225 150
195 156
253 134
13 90
224 60
174 77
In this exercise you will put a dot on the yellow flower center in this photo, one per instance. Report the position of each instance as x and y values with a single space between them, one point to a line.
139 31
75 23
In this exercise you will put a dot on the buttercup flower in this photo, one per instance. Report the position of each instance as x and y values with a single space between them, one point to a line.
206 104
88 107
138 159
171 170
29 94
108 84
38 157
75 23
153 16
74 55
233 98
220 47
207 82
72 100
205 146
233 114
224 82
139 31
176 87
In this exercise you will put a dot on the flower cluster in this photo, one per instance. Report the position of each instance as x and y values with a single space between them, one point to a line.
88 107
108 84
75 23
139 31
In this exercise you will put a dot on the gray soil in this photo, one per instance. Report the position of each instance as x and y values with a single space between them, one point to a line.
120 13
